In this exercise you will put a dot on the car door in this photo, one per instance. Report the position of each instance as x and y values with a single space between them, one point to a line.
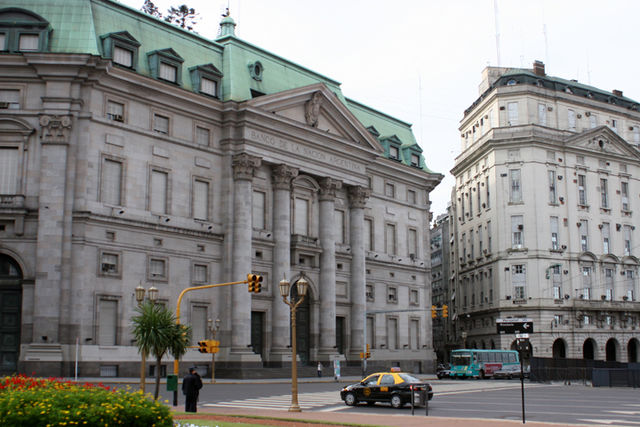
369 388
385 387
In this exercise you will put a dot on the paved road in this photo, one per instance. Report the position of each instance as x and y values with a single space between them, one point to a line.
490 399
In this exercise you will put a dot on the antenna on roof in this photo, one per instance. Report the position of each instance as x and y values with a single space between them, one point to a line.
495 14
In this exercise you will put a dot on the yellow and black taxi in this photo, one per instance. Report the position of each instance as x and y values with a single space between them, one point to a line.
394 387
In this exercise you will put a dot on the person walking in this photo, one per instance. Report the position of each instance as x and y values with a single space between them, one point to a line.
319 369
191 385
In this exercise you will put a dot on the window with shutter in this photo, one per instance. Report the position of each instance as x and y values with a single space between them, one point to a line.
161 124
517 241
198 324
512 109
554 233
122 56
158 193
201 200
414 327
109 264
301 217
3 41
115 111
111 193
157 269
208 87
9 99
28 42
168 72
413 242
339 230
368 234
107 322
259 205
9 161
516 190
392 333
390 239
200 273
203 136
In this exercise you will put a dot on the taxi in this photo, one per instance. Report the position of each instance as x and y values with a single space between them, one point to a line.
394 387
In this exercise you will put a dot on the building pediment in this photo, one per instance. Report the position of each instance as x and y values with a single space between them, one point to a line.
318 108
602 140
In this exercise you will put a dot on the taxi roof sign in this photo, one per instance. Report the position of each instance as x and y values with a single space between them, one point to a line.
396 369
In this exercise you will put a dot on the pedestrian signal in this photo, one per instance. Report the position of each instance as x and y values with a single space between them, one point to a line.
434 312
445 311
203 346
255 283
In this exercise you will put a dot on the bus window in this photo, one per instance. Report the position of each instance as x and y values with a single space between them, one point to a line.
460 359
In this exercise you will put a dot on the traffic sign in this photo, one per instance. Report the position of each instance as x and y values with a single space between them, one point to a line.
514 326
522 336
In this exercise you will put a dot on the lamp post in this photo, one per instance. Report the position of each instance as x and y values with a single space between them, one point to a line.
463 335
302 285
214 331
153 296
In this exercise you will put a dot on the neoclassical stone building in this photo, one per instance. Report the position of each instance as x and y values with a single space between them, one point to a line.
132 151
545 216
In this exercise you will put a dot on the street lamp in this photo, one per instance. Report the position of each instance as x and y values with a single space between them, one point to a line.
463 335
153 297
214 330
302 285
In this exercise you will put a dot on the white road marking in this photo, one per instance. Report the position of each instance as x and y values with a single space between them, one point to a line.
305 401
609 422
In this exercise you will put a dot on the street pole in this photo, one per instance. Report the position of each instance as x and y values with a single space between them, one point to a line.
294 364
214 332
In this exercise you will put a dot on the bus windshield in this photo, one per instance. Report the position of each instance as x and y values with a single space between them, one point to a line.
463 359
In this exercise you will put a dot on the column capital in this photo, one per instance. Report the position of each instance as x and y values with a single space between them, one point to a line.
282 175
358 196
243 166
328 187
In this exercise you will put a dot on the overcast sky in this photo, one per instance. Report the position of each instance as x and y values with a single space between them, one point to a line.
420 60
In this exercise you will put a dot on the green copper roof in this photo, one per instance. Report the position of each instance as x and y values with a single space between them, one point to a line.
79 26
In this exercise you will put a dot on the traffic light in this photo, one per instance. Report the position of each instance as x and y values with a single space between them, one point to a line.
367 354
255 283
445 311
214 346
203 346
434 312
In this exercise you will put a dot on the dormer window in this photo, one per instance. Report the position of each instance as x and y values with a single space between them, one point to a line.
394 153
205 79
166 65
23 31
415 160
512 82
122 48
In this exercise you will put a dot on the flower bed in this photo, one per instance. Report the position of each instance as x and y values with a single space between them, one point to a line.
27 401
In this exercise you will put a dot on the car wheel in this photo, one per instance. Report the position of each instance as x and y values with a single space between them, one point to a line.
396 401
350 399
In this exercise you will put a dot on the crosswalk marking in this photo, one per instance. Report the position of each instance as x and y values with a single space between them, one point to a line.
305 401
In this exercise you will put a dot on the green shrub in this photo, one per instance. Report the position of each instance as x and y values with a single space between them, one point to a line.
26 401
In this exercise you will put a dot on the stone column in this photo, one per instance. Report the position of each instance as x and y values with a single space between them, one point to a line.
328 187
243 167
358 198
282 176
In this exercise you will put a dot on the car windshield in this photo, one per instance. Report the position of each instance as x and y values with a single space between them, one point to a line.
460 359
409 378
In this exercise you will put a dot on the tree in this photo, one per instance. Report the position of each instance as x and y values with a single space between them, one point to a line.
156 332
151 9
184 16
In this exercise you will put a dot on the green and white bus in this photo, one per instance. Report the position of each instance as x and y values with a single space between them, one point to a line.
481 363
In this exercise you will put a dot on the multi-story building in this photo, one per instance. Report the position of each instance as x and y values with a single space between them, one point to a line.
440 288
546 207
133 151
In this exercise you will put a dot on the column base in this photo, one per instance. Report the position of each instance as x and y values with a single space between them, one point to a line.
329 355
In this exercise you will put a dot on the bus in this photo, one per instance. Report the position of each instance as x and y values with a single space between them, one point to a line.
481 363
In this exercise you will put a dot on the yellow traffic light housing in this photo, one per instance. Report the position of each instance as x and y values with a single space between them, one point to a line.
255 283
445 311
203 346
213 346
434 312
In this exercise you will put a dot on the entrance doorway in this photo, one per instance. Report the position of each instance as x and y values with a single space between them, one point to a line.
589 349
612 350
10 313
632 351
340 323
559 349
303 331
257 332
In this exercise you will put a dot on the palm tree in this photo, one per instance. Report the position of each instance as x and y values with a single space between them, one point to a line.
156 332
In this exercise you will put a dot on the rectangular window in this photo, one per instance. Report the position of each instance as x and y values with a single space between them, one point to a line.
519 281
392 294
203 136
627 240
394 153
636 134
411 197
109 264
200 273
489 236
552 187
28 42
542 114
486 184
604 193
414 328
517 234
339 230
479 200
259 209
630 281
9 161
390 239
464 247
392 333
413 296
10 99
115 111
608 284
412 242
111 191
158 192
415 160
624 194
512 109
200 200
582 190
584 235
122 56
157 269
586 283
198 324
471 245
515 194
370 293
161 124
3 41
555 245
301 214
107 322
480 242
614 125
210 87
557 281
571 119
389 190
168 72
587 320
462 203
593 121
368 234
606 238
